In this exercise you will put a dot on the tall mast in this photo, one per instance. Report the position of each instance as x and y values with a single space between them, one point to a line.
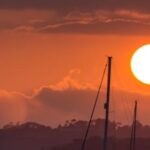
106 105
133 132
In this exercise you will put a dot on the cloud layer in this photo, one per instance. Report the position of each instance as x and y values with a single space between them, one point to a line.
80 16
66 100
80 5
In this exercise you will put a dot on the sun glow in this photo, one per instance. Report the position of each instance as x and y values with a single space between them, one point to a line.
140 64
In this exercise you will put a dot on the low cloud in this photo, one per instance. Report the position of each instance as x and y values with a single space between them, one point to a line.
13 107
69 99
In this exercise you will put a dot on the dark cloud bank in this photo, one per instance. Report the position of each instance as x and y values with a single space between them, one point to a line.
81 5
81 16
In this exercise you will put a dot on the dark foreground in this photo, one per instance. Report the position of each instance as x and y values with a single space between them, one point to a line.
33 136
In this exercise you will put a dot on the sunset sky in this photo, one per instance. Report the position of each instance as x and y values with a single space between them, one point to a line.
53 52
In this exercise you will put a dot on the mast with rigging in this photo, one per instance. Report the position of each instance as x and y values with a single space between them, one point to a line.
106 105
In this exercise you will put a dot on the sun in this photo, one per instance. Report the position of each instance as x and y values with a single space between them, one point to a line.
140 64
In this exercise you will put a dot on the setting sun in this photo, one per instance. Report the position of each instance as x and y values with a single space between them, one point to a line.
140 64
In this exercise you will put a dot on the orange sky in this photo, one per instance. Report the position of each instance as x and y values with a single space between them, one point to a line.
33 60
52 55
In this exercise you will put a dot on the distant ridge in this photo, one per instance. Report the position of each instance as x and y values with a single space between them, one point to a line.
34 136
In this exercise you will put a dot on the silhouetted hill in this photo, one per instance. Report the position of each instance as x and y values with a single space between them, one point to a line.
34 136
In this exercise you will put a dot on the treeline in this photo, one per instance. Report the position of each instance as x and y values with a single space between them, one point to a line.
34 136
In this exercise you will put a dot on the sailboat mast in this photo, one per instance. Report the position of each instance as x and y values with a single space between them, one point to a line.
106 105
135 122
133 132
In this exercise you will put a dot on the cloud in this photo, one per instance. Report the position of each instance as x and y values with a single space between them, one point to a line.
59 101
68 99
13 107
81 5
100 22
71 82
80 16
112 27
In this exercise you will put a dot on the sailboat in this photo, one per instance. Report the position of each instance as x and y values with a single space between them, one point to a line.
106 107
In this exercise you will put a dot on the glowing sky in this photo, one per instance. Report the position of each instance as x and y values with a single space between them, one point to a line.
52 54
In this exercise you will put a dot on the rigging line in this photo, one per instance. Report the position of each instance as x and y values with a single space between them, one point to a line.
127 108
93 110
125 111
121 83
